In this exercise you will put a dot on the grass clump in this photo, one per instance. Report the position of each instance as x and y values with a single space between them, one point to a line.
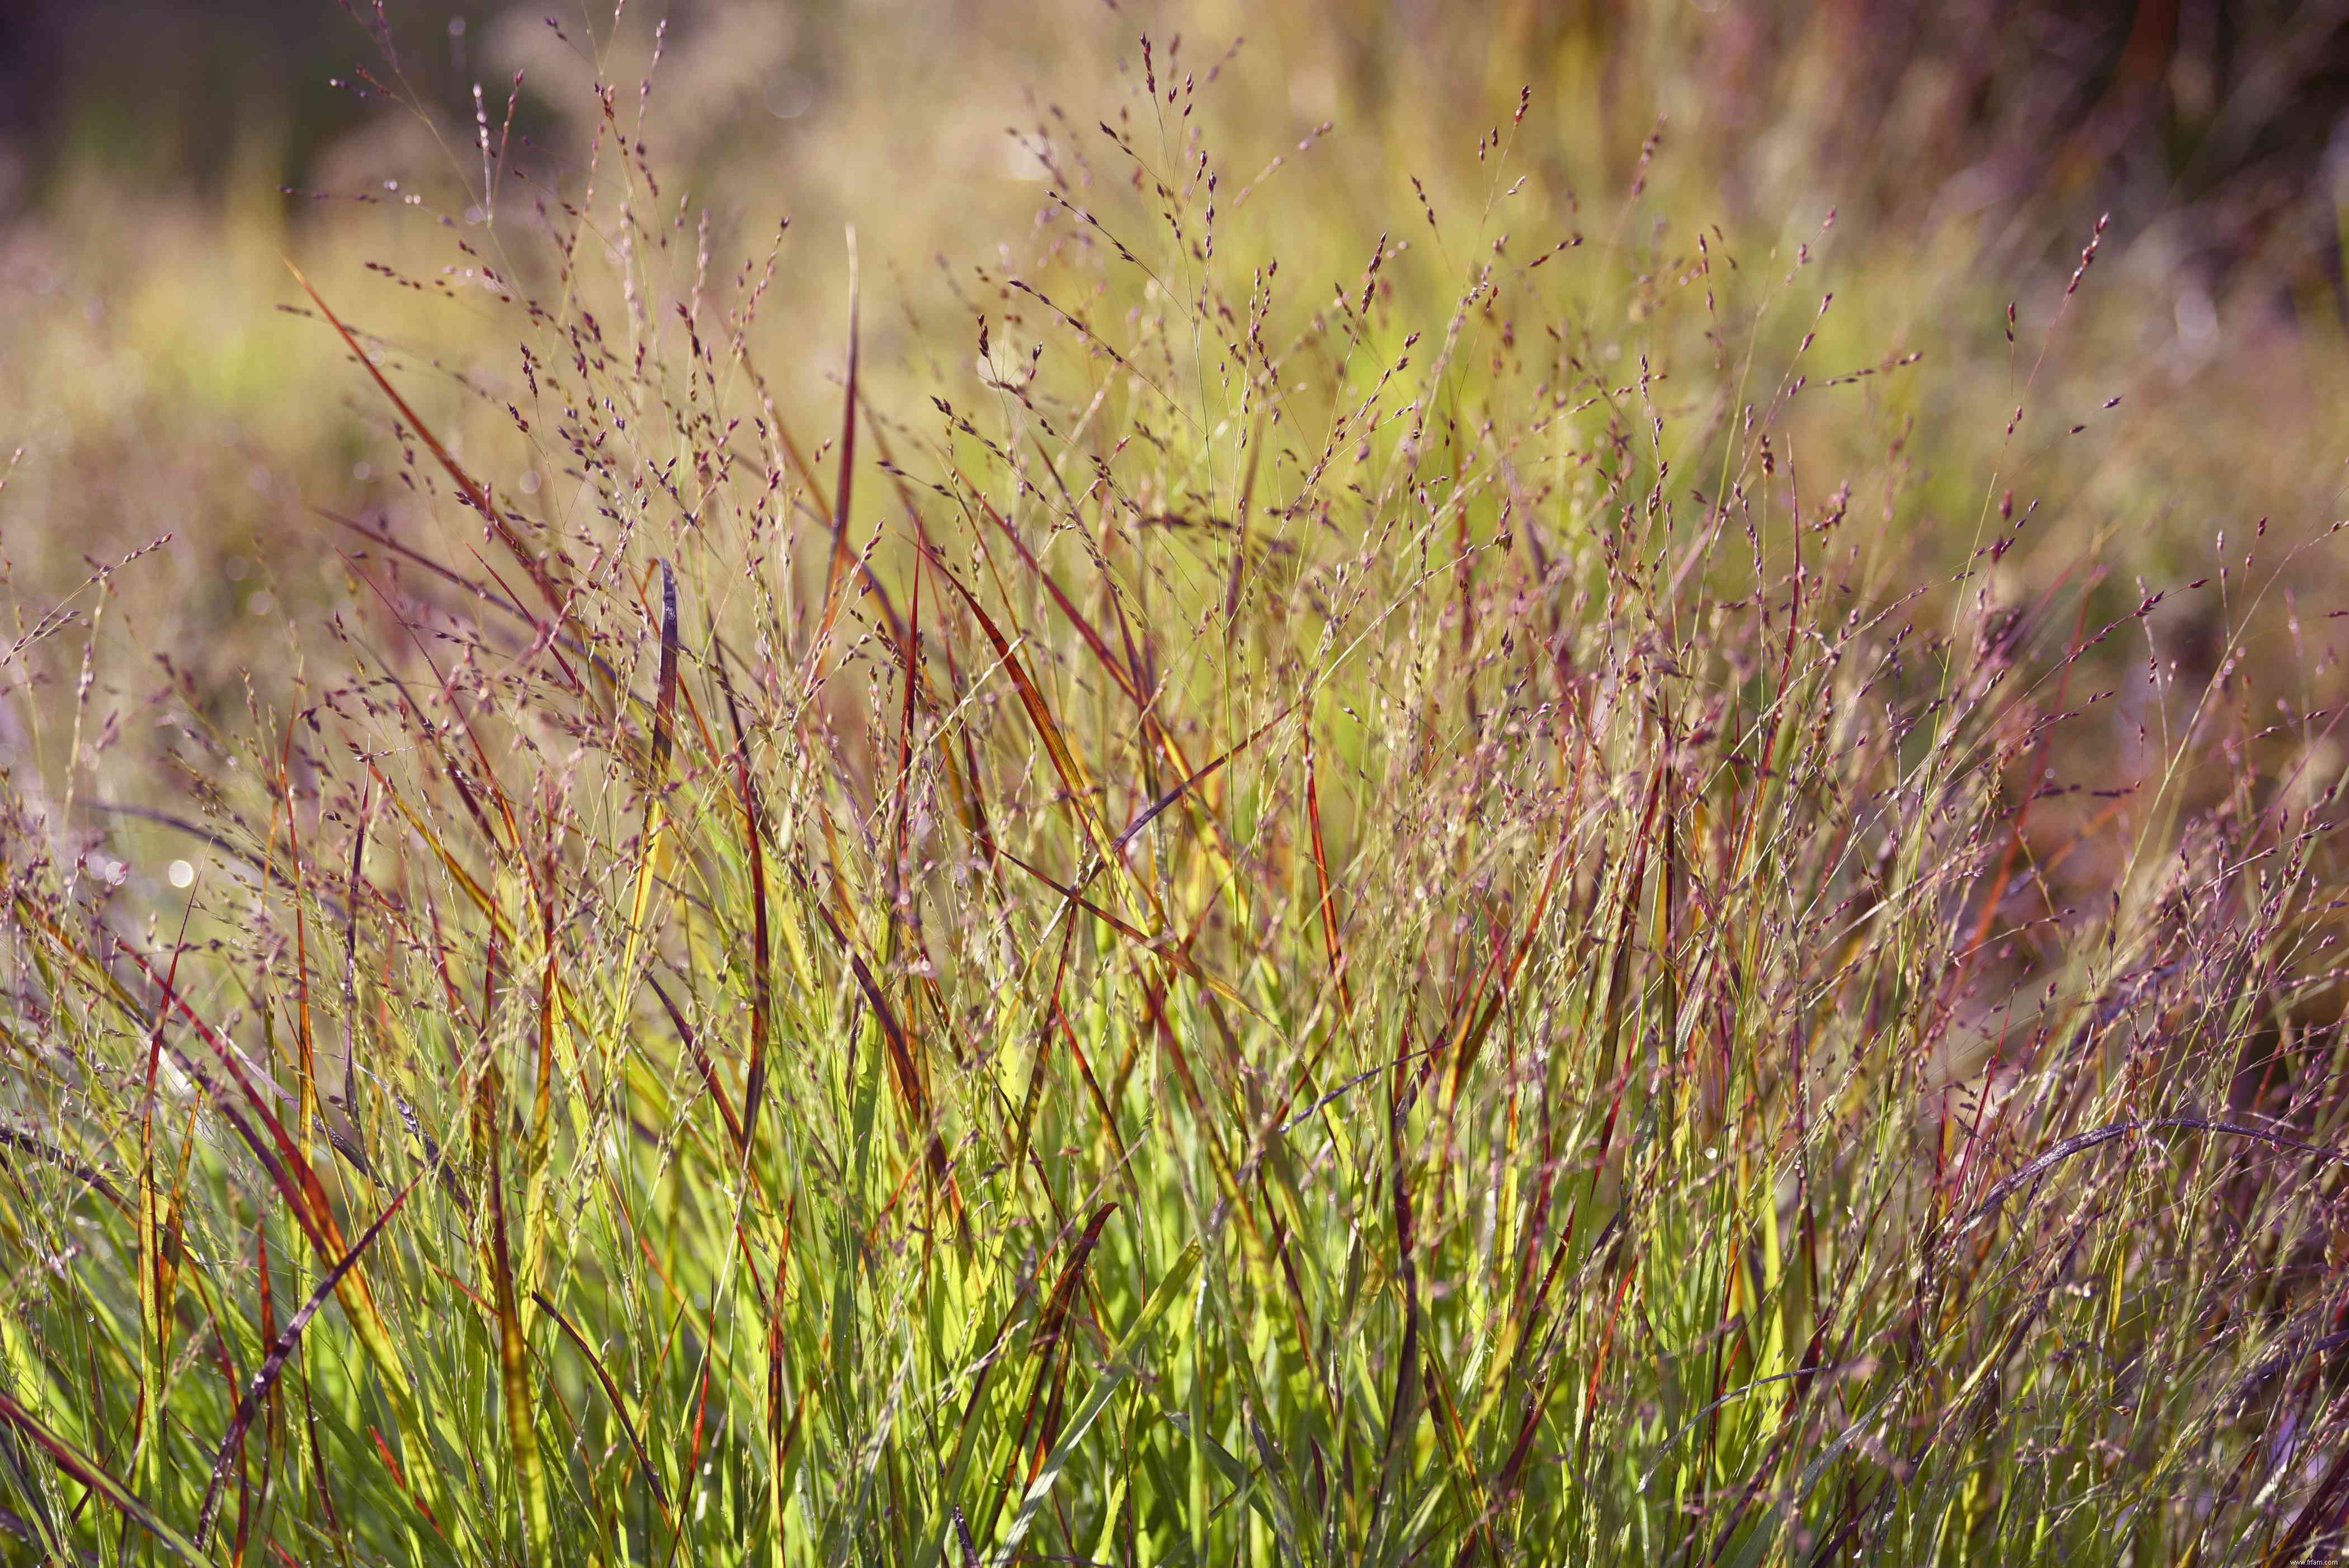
1288 923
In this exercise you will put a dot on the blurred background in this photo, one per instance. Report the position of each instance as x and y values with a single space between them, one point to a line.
159 162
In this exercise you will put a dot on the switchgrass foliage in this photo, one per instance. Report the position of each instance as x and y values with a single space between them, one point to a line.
1309 930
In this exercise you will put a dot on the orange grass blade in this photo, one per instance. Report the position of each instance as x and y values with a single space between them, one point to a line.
474 493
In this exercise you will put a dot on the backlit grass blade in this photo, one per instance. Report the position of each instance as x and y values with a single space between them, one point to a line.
517 1403
1073 777
476 496
838 564
87 1471
612 1393
650 839
1124 1363
280 1349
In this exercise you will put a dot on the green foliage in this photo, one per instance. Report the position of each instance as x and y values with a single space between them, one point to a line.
1362 923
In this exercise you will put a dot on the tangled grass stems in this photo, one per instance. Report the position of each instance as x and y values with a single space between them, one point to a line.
1332 932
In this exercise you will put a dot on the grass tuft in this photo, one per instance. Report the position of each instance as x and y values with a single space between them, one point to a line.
1428 917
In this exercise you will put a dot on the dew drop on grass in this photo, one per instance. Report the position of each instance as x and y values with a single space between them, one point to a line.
182 873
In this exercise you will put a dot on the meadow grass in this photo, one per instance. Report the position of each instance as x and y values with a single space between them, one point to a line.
1295 921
